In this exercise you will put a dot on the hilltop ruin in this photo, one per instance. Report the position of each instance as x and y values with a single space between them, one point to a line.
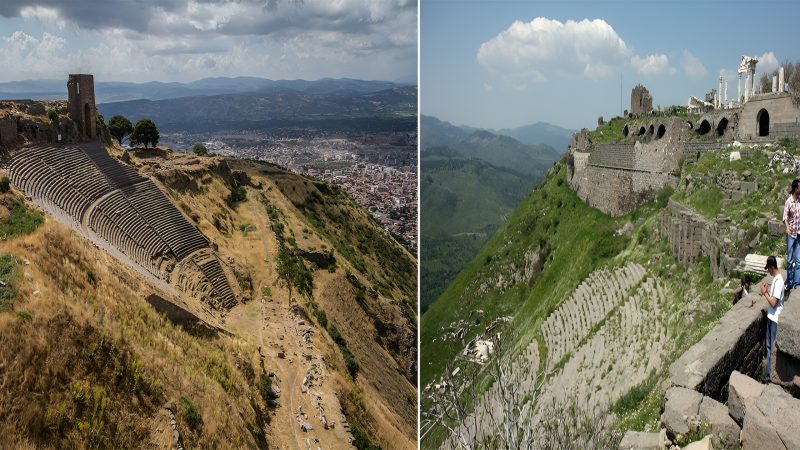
56 160
620 173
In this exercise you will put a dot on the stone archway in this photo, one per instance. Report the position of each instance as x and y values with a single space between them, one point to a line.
705 127
762 123
641 132
625 131
661 131
722 126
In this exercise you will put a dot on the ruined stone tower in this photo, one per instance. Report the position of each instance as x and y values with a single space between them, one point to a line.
82 109
641 100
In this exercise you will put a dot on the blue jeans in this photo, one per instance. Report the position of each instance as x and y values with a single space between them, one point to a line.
772 331
792 261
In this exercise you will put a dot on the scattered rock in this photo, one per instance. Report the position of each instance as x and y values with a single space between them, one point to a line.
703 444
742 390
680 404
724 430
637 440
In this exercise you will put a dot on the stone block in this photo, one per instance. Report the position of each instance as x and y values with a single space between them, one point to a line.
707 365
637 440
724 430
702 444
776 228
788 338
742 391
758 433
782 412
680 404
787 368
748 186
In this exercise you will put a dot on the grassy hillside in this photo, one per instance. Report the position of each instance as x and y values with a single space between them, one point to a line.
464 201
470 181
552 241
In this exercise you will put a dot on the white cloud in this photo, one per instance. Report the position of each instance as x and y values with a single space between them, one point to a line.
692 65
656 64
189 39
767 62
537 49
488 87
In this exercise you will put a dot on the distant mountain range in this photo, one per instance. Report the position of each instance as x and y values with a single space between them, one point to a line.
438 132
470 180
114 91
392 109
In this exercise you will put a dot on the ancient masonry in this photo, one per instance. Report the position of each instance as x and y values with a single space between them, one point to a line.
81 106
646 157
641 100
119 209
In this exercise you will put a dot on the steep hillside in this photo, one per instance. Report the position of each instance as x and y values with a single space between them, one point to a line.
95 364
592 309
464 202
467 189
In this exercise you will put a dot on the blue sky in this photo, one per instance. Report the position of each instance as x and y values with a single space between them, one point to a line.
184 40
479 69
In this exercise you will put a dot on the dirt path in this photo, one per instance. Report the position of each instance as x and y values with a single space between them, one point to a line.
278 329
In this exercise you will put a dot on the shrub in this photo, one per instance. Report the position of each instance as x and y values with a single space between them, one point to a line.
52 114
200 150
25 316
191 413
5 185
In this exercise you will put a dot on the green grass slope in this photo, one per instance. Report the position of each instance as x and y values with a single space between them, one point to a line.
464 202
571 240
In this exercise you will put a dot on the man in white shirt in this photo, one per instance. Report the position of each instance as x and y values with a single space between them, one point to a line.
774 296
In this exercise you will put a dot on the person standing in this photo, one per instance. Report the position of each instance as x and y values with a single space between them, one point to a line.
774 296
791 218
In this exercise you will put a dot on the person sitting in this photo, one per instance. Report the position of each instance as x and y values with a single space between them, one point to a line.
742 290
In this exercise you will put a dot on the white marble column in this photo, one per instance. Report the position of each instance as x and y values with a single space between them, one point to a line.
781 79
739 89
747 86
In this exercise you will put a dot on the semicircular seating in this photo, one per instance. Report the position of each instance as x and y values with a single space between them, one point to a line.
95 194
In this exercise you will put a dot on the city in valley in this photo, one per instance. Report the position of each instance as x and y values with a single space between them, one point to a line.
378 169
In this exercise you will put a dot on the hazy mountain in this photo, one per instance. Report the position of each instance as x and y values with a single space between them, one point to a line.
540 133
396 105
504 151
437 132
112 91
470 180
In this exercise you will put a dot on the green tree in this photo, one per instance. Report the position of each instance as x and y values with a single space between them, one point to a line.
293 273
145 133
5 185
200 150
120 127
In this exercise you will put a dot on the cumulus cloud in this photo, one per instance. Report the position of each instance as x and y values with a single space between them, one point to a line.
656 64
692 65
310 38
542 47
767 62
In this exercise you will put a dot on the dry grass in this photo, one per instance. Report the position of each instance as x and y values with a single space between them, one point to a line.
95 363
